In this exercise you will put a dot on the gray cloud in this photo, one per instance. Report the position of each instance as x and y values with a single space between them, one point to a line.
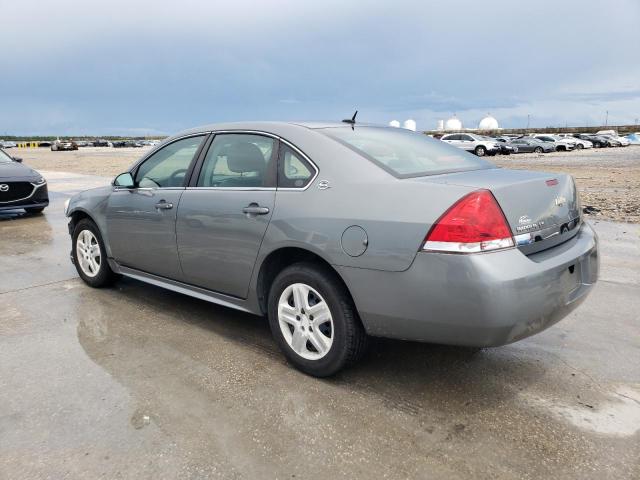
118 65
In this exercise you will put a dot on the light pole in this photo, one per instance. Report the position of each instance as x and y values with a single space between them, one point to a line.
528 120
606 119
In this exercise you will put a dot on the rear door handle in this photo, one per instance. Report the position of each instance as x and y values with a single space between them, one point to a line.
163 205
255 209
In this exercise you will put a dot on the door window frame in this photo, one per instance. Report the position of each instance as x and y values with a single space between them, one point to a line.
188 175
278 141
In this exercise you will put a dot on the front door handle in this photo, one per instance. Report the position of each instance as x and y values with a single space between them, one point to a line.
163 205
255 209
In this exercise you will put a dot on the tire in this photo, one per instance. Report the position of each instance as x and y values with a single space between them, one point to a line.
480 151
101 276
537 150
343 335
35 211
579 146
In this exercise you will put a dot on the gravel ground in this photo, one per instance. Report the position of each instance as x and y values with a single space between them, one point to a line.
608 179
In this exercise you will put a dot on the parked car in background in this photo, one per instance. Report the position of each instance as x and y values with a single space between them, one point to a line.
479 256
612 141
60 145
100 142
20 186
506 148
612 134
530 144
7 144
561 144
598 141
580 143
477 144
81 143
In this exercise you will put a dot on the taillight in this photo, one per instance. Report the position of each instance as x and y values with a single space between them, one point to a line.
475 223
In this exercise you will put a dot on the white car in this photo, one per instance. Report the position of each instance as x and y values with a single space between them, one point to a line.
580 143
561 143
7 144
481 146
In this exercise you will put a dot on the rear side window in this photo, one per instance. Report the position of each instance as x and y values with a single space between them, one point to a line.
238 160
293 170
404 153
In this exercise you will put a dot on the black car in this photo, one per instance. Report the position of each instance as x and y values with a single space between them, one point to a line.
20 186
597 140
100 142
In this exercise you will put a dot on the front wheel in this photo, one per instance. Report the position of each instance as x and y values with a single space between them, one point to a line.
480 151
89 255
579 146
538 150
314 321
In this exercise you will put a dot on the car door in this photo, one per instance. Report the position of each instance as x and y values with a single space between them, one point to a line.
224 213
141 221
467 142
523 145
453 139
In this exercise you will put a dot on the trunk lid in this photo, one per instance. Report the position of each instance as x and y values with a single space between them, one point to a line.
542 209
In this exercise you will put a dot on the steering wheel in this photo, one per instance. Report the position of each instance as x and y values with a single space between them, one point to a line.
174 175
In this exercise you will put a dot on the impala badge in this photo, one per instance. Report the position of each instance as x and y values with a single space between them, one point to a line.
324 184
524 219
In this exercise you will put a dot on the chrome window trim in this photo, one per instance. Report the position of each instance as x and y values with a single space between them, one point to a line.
33 192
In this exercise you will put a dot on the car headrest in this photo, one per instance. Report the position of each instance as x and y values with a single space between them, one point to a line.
245 157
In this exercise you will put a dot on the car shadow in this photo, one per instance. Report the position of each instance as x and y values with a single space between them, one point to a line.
405 376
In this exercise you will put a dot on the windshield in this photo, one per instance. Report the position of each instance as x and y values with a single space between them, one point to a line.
4 158
404 153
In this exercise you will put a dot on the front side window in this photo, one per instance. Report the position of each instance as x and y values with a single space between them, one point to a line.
168 167
404 153
239 160
293 171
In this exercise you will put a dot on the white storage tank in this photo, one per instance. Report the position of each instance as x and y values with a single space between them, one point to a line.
410 125
394 123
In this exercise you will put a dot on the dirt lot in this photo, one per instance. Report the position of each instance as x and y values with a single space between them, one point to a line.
608 179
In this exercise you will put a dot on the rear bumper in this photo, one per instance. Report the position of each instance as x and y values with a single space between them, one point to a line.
477 300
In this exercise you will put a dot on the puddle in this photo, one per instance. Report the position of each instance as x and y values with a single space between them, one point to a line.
619 415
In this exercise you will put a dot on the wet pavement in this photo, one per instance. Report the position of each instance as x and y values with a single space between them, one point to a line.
138 382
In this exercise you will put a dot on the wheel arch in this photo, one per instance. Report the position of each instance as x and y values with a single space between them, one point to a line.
279 259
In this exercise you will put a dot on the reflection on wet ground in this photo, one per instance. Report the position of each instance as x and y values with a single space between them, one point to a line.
138 382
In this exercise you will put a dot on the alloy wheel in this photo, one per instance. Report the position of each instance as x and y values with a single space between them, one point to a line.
305 321
88 253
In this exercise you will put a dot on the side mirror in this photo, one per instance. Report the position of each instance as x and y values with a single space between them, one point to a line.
124 180
17 159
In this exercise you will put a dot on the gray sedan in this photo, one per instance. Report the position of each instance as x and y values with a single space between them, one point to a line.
339 232
530 144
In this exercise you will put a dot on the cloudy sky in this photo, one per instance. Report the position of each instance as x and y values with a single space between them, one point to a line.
136 67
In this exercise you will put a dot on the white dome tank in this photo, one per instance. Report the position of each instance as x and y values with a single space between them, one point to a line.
453 123
394 123
488 123
410 125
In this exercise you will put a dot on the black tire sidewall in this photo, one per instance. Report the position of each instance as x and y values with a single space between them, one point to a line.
105 275
341 312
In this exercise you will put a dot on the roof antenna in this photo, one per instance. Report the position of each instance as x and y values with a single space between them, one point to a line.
351 121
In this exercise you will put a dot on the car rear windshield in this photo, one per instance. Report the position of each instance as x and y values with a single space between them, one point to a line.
404 153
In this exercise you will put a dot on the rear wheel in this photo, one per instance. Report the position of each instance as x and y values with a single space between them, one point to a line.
538 150
89 255
314 321
579 146
480 151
